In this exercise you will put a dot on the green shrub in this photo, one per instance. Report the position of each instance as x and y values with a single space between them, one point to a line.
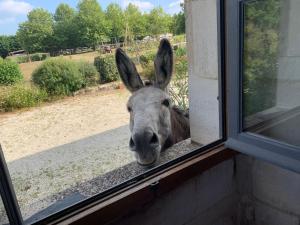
22 59
20 96
148 72
39 56
58 76
178 88
35 57
9 72
89 73
45 56
106 66
180 52
147 58
147 63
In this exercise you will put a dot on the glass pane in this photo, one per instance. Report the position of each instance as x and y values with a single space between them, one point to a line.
65 129
271 69
3 216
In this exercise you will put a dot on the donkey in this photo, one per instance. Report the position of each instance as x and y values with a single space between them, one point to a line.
155 124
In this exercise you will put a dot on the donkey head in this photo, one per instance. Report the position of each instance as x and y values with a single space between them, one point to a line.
149 106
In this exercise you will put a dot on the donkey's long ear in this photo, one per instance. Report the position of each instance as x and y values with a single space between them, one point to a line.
164 64
128 72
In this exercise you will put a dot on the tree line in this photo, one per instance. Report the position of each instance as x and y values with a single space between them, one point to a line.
88 26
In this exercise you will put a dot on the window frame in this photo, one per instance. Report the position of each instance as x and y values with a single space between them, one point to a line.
198 160
284 155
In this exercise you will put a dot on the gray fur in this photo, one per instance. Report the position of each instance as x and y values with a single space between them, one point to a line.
154 123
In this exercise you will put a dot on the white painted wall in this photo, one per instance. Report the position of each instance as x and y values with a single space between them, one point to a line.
202 46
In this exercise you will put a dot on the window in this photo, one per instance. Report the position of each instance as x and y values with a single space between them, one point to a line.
71 151
267 81
3 216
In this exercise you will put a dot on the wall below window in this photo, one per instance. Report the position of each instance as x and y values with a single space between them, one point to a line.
240 191
268 194
208 199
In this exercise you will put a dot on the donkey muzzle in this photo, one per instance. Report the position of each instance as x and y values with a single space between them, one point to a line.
146 147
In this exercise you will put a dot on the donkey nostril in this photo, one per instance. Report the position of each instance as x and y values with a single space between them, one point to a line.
131 143
154 139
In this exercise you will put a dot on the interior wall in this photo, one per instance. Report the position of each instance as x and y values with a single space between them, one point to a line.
208 199
268 194
240 191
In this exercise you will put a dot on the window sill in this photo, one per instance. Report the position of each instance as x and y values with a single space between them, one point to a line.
134 196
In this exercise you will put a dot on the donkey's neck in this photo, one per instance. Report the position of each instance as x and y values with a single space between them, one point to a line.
180 127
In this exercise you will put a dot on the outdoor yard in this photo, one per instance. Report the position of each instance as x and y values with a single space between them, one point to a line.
66 140
54 147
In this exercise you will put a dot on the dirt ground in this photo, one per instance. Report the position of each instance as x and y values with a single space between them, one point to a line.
53 147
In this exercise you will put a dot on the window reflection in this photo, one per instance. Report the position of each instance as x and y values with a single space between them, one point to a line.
271 69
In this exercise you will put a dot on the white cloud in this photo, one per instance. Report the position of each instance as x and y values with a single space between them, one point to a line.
11 9
176 3
174 7
142 5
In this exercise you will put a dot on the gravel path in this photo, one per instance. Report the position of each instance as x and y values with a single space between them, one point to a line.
57 146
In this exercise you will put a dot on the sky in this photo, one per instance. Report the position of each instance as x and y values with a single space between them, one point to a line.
13 12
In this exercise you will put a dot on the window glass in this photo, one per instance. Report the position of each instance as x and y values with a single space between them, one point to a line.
271 69
3 216
64 112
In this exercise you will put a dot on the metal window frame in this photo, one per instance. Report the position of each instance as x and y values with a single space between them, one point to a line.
6 187
270 150
8 195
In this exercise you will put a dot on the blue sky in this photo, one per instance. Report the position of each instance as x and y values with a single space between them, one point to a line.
13 12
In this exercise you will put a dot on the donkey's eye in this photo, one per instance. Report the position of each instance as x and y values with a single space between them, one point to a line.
129 108
166 102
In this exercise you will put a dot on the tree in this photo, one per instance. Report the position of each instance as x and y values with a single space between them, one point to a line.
135 22
261 50
115 21
158 21
8 44
65 28
179 22
91 23
34 34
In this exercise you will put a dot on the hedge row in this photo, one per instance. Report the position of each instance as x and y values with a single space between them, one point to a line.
59 76
20 96
32 58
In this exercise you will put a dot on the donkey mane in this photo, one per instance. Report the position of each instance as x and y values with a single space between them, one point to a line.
180 126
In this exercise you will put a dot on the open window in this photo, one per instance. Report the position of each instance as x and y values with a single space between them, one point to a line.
87 159
264 86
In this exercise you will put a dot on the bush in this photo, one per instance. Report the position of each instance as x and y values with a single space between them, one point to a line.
35 57
147 63
148 71
58 77
106 66
9 72
22 59
20 96
39 56
147 58
45 56
89 73
178 89
180 52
